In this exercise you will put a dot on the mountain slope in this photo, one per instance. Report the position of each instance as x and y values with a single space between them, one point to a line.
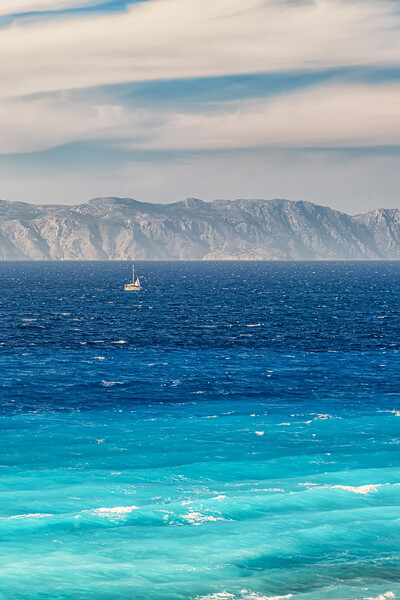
384 227
122 228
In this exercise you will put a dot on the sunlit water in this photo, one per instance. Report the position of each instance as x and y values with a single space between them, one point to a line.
231 432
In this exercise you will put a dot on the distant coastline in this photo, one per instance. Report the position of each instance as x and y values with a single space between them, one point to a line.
126 229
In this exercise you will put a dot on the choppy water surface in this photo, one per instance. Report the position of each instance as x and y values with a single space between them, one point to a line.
231 432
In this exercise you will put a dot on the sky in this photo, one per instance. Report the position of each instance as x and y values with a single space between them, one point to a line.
160 100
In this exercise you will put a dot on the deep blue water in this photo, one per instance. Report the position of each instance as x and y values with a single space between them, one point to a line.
231 432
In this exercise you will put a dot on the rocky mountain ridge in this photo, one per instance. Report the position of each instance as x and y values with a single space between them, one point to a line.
126 229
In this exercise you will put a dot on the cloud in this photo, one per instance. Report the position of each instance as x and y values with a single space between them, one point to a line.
41 123
325 116
328 116
169 39
13 7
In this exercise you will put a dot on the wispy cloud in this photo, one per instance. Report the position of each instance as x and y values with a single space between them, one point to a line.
167 39
42 123
336 115
13 7
325 116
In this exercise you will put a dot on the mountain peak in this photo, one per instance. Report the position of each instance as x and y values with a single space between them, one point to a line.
117 228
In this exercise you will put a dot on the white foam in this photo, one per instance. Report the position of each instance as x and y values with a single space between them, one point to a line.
120 342
394 412
116 510
360 489
252 596
197 518
259 432
244 595
382 596
278 490
31 516
217 596
322 417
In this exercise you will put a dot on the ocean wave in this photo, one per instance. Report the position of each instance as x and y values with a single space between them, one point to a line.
278 490
360 489
323 417
384 596
197 518
394 412
29 516
245 595
113 511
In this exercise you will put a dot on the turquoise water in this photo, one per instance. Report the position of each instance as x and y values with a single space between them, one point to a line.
229 433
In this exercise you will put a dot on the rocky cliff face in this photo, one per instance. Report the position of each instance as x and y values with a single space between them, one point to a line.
384 227
125 229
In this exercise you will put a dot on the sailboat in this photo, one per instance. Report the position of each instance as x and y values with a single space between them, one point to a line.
135 285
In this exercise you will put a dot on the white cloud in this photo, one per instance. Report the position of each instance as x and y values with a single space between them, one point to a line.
324 116
164 39
42 123
13 7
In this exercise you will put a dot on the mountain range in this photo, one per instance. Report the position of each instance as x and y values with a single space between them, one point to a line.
126 229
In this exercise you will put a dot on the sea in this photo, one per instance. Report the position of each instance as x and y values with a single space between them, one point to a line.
230 432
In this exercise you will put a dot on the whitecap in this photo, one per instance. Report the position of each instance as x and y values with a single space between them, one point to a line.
253 596
217 596
360 489
114 511
31 516
384 596
394 412
278 490
120 342
197 518
244 595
